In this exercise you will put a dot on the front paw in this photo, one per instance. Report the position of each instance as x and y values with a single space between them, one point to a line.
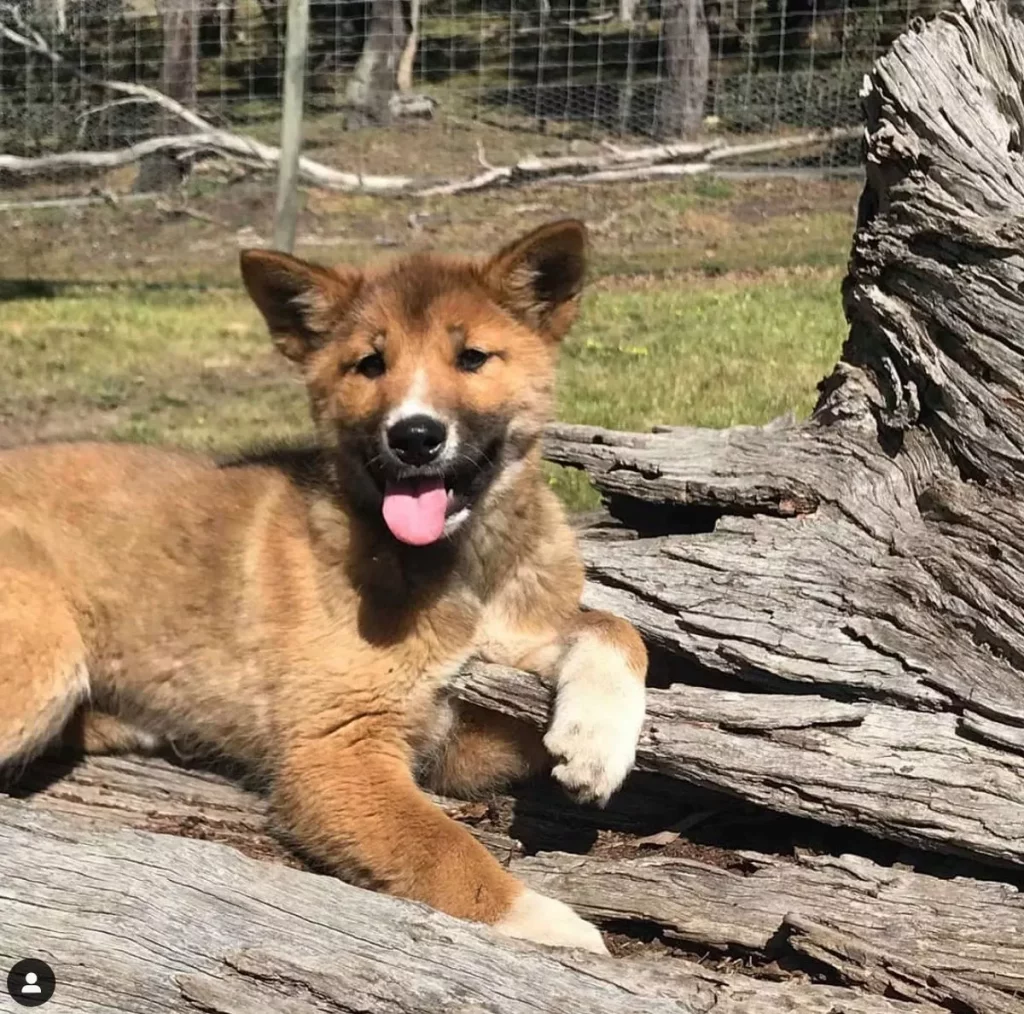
544 920
594 731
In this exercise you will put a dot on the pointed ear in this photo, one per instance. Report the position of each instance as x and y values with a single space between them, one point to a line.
299 301
539 277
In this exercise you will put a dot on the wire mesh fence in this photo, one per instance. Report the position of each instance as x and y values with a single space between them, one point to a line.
541 71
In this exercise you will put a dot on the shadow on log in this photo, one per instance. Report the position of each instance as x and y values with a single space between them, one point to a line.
837 610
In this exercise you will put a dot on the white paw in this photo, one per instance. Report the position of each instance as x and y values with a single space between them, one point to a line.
599 711
544 920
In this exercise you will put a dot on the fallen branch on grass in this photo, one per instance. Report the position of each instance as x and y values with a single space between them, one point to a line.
625 164
209 140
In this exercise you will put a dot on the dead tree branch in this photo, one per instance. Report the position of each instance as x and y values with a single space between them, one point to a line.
617 165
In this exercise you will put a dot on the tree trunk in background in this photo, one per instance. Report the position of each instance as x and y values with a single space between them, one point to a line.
179 65
408 59
51 16
179 79
273 18
375 77
634 37
686 52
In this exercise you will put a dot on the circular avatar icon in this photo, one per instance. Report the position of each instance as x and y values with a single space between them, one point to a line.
31 982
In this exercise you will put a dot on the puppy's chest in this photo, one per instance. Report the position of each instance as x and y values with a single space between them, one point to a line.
432 708
429 704
419 666
430 712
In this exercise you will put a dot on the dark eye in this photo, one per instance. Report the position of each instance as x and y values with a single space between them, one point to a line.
371 366
470 360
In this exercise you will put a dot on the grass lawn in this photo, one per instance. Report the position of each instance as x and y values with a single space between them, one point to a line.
688 323
196 368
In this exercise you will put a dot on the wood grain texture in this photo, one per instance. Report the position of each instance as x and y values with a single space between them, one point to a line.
137 922
906 775
971 932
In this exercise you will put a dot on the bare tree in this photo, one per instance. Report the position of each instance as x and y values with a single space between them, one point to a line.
52 15
179 65
375 78
686 51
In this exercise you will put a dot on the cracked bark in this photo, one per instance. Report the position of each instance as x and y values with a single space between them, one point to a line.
166 883
874 555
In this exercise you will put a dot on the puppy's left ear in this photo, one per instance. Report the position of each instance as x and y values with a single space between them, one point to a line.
539 277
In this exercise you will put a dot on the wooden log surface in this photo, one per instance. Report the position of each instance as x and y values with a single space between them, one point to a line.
906 775
139 922
969 933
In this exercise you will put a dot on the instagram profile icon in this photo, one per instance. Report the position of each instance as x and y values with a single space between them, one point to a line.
31 982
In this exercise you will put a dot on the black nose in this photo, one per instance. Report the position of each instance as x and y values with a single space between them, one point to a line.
417 440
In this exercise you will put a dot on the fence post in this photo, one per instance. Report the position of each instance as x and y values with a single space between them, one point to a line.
286 211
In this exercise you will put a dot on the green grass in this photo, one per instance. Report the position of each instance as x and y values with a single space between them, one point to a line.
195 367
710 240
706 355
703 189
713 355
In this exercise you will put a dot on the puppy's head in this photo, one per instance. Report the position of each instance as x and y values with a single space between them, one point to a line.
429 378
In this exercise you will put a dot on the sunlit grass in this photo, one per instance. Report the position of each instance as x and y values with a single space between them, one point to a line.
195 368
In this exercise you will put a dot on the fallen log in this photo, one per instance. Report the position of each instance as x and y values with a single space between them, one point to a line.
629 164
968 934
139 922
912 776
881 971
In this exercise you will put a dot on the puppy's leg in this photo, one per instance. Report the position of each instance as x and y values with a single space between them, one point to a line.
43 674
356 808
92 731
485 751
599 705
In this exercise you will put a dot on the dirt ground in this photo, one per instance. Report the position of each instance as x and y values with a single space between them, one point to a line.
699 224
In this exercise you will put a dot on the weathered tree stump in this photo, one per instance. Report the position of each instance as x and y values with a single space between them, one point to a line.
836 612
852 609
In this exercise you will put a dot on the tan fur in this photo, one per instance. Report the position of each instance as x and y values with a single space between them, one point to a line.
247 610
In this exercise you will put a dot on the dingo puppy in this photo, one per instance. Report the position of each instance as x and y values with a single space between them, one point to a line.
301 611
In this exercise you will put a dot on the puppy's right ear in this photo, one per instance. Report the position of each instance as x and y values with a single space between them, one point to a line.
301 302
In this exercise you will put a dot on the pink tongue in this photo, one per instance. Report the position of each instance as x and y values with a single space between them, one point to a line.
414 510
